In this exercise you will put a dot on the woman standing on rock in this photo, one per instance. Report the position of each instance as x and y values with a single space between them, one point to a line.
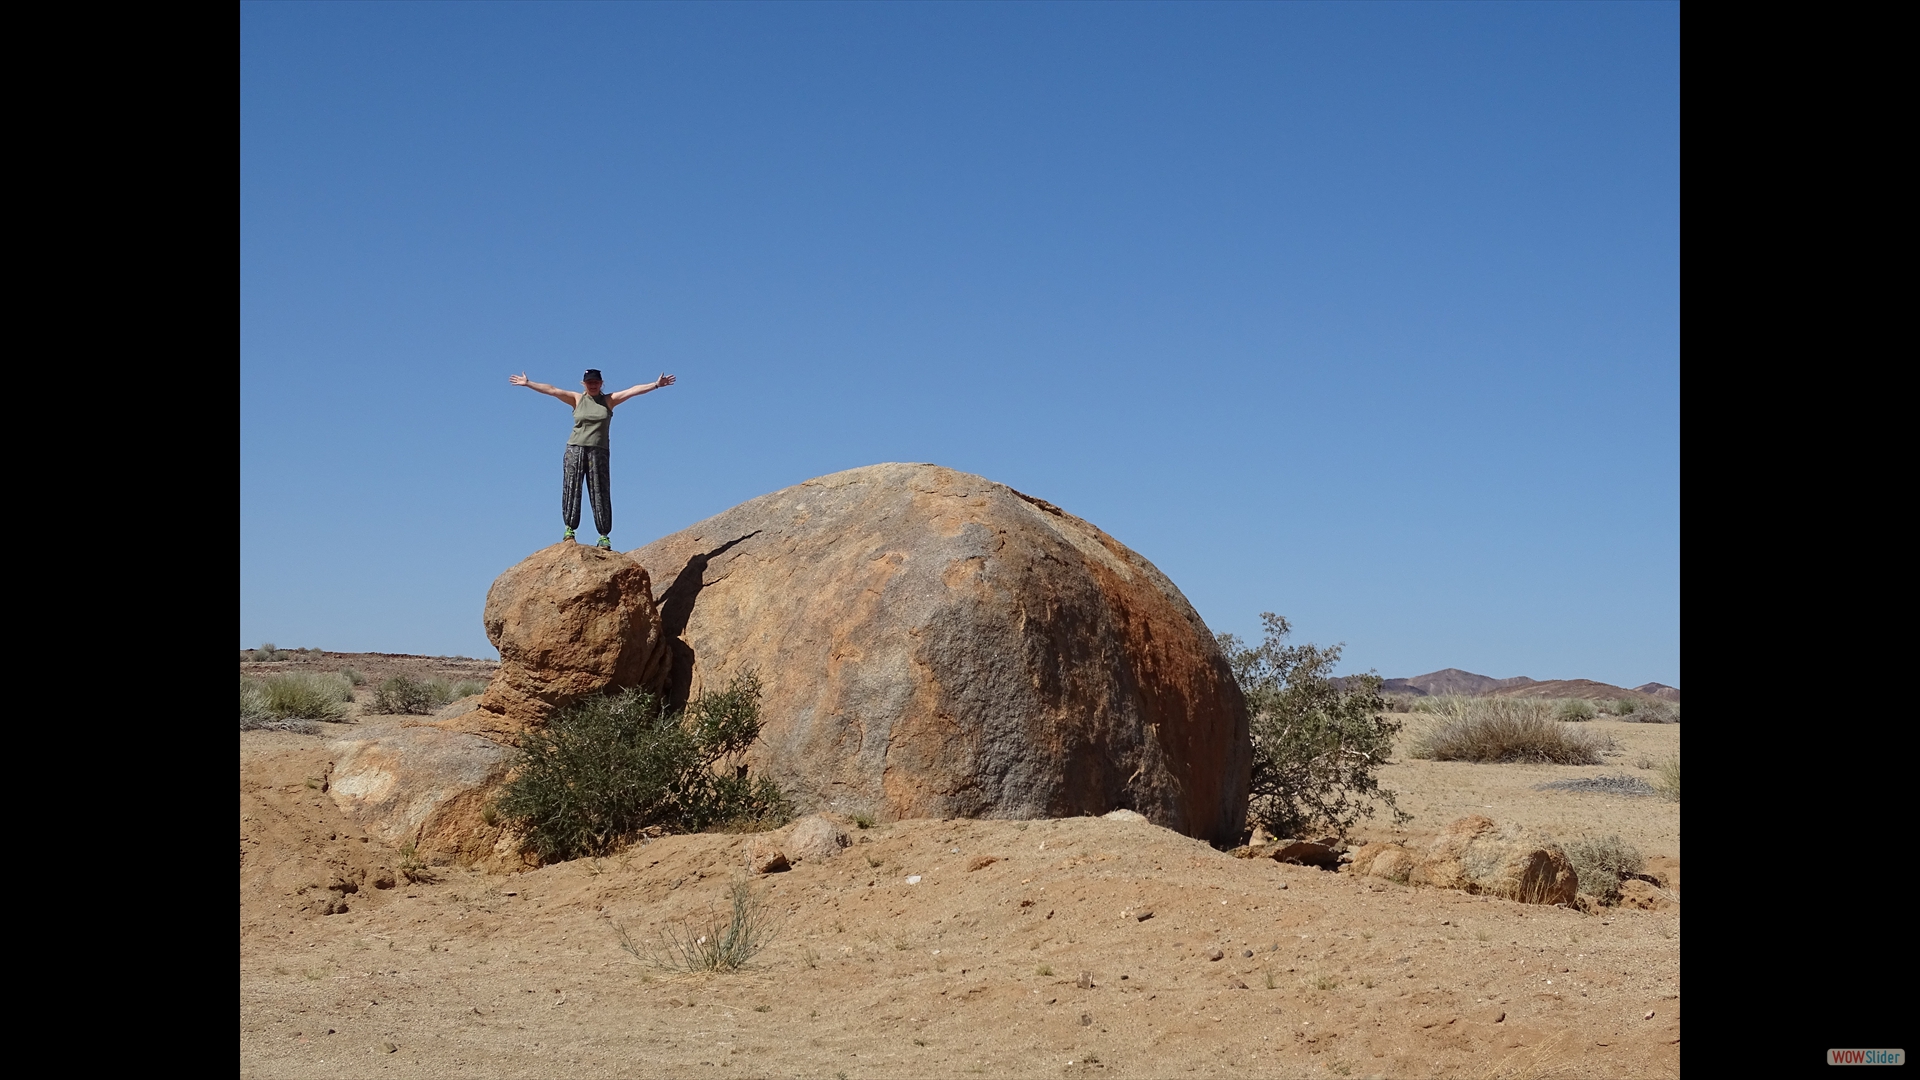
587 450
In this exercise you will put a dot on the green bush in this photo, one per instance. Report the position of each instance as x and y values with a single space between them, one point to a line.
1506 729
607 767
1624 707
1316 745
353 677
403 695
1601 865
467 688
1575 710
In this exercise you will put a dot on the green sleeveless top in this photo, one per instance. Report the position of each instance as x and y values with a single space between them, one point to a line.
591 417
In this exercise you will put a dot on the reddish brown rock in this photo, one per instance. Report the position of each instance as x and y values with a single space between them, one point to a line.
569 620
934 644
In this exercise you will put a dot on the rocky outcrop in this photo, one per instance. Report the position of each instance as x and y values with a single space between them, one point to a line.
934 644
423 787
569 621
1474 855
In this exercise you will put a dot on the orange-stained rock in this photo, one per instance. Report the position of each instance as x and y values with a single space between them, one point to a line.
569 620
934 644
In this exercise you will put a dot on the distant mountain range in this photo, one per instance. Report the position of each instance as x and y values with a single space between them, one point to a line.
1468 684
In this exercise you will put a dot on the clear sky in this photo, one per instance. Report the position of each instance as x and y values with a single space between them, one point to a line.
1366 314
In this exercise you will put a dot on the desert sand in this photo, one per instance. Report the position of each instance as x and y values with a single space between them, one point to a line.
976 969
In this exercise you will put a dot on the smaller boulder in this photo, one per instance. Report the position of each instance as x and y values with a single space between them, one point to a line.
1474 855
1389 861
814 838
569 620
422 786
769 862
1318 853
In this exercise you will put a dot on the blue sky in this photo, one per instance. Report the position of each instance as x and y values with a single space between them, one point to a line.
1366 314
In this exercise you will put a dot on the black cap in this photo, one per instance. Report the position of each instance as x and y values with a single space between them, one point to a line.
592 375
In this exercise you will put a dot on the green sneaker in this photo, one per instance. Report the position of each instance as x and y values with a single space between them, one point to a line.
568 535
605 544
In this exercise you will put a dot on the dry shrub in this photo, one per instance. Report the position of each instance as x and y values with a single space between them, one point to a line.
1504 730
1575 710
1669 779
719 944
1601 865
400 695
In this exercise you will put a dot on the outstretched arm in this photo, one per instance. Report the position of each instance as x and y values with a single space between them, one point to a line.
569 396
643 388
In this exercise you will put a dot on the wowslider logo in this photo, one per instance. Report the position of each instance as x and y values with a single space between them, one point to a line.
1866 1057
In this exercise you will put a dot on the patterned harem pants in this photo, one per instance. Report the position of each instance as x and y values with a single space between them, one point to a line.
587 463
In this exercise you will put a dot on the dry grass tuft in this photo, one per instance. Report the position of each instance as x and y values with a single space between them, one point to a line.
1506 729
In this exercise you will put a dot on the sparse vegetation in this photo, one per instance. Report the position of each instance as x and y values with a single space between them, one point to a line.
1506 729
292 702
1659 712
1601 865
1575 710
1316 745
403 695
727 945
864 821
1668 781
1043 970
353 677
609 766
1624 707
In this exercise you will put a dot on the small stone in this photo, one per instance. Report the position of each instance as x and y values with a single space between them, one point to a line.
1086 1019
1215 955
1143 915
1086 980
1283 884
1649 1015
389 1047
1246 952
980 862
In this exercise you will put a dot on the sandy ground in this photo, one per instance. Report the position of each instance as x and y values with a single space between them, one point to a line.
966 973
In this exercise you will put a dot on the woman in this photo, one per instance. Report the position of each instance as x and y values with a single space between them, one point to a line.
587 450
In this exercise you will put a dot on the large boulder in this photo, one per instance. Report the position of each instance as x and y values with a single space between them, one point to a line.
934 644
569 621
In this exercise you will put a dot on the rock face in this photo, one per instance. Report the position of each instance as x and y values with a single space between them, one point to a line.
569 621
1475 855
934 644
